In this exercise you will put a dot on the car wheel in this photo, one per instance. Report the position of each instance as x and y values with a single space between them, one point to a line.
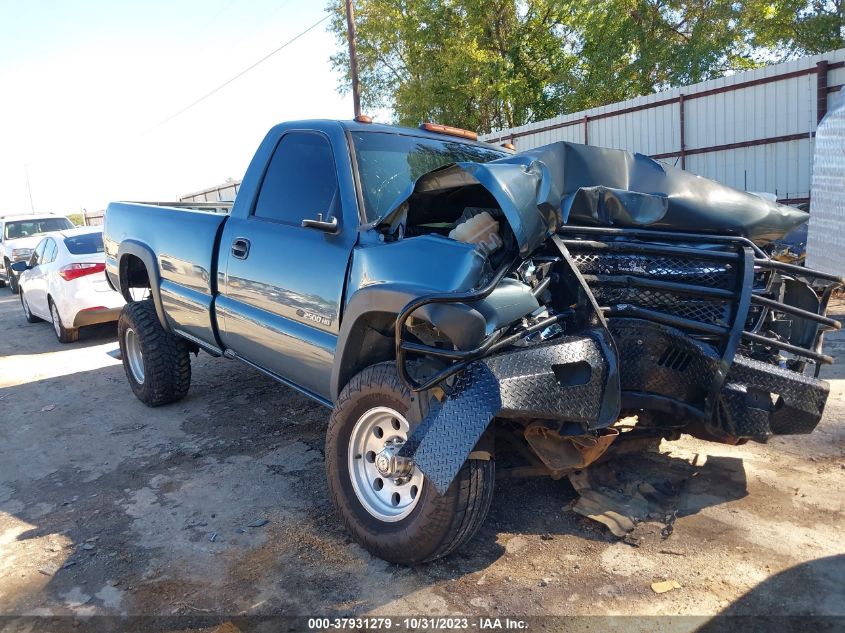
13 282
64 334
30 317
391 510
157 363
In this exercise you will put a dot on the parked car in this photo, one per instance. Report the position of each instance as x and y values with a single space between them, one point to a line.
18 236
63 283
447 298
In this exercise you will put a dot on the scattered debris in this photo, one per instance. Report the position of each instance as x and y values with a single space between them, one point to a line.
545 582
49 569
672 552
623 492
88 546
669 526
212 537
48 407
665 585
545 536
258 523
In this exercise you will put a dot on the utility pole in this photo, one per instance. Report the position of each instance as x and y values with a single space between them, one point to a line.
29 188
353 58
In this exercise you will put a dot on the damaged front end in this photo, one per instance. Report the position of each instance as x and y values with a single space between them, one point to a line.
602 298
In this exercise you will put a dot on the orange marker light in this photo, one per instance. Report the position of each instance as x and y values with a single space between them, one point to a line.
451 131
509 146
363 118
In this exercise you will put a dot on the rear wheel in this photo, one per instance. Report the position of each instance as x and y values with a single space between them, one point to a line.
30 317
157 363
64 334
388 505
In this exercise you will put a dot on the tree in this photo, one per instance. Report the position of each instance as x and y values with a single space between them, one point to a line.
475 63
797 27
502 63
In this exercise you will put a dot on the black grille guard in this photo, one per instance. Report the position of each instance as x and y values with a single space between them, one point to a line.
716 292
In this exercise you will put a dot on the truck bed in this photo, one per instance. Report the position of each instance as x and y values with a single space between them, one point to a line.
183 244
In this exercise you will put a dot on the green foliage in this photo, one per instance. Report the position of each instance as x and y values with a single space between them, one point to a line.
485 64
76 218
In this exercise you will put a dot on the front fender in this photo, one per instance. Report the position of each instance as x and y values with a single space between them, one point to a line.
366 332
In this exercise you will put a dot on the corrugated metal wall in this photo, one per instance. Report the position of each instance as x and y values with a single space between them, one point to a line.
753 130
225 192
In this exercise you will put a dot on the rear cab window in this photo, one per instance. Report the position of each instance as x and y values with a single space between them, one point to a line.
85 244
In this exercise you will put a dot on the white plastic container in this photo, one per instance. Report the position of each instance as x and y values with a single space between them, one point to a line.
480 229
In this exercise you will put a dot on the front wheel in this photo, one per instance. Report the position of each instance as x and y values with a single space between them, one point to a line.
14 286
30 317
388 505
157 363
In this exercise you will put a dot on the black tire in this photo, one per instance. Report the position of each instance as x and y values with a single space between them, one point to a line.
438 524
30 317
14 286
165 357
64 334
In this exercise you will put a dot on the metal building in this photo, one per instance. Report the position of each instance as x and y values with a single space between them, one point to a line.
754 130
221 193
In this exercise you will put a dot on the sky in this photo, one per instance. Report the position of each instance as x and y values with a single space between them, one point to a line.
86 84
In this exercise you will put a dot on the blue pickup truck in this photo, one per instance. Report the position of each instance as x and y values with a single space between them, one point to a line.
462 307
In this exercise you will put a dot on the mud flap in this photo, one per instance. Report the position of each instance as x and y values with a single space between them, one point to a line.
572 378
445 437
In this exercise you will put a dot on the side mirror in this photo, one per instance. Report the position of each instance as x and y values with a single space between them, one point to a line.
327 226
19 267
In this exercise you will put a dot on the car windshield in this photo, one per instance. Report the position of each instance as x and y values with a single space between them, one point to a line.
85 244
389 163
27 228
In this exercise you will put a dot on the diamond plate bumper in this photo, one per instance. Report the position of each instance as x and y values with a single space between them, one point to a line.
567 379
757 399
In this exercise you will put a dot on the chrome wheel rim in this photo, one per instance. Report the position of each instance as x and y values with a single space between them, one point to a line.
377 435
57 321
134 357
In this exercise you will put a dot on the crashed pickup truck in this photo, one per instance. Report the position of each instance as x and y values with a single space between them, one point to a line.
459 305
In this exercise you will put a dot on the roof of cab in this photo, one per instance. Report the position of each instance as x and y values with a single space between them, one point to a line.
357 126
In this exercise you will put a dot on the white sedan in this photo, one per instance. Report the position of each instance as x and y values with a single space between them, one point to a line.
64 283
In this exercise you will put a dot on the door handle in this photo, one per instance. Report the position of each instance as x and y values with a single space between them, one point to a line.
329 225
240 248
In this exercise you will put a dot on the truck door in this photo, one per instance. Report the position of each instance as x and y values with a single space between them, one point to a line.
281 287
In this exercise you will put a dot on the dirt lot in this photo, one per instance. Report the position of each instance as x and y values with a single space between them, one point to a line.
107 506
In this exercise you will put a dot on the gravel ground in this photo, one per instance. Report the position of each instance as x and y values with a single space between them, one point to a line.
108 507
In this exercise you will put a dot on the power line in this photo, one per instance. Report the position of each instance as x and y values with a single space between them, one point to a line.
240 74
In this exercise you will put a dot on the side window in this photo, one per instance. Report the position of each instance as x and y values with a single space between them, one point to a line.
300 181
49 251
38 255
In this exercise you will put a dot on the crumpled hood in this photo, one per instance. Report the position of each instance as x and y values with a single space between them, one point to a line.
568 183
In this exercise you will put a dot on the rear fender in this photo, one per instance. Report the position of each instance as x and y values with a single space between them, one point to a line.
148 258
